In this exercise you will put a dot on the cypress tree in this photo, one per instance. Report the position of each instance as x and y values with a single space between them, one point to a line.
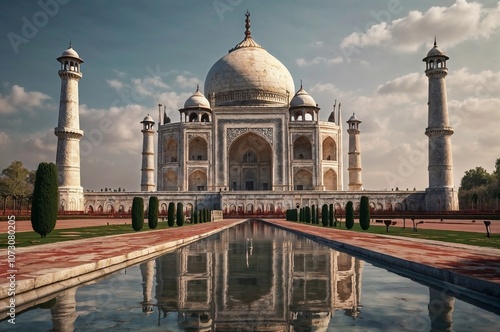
207 215
324 215
331 216
307 214
45 199
137 213
313 214
195 216
364 213
153 212
349 215
180 214
171 214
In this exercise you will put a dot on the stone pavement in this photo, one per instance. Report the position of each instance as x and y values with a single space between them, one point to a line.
44 269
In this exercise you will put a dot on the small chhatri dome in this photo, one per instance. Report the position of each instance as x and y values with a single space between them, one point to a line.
70 53
147 119
353 118
197 100
302 99
435 52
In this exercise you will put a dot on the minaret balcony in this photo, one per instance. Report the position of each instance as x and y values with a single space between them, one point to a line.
64 132
439 131
70 74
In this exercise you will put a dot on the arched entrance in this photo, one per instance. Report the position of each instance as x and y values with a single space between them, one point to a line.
250 163
330 180
197 181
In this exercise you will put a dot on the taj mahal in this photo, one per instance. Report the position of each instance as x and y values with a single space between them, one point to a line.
251 143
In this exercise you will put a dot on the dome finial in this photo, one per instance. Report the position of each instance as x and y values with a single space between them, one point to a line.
435 42
69 44
197 87
300 83
247 24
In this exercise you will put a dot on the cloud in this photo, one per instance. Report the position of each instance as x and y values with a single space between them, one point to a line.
319 60
460 22
187 82
411 84
116 84
18 98
4 138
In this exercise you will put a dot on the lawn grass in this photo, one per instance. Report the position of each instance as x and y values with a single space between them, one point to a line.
471 238
25 239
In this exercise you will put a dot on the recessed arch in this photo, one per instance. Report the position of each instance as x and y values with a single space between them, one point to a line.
197 181
330 180
302 148
170 151
250 163
302 180
198 149
170 179
329 149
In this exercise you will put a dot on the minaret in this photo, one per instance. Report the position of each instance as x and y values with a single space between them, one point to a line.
354 154
440 195
148 155
341 155
69 134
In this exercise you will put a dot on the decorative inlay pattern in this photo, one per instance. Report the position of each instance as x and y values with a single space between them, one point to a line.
233 133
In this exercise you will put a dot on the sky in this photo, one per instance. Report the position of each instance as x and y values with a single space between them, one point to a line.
366 54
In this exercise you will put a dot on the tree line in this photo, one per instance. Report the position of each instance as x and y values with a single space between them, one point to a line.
313 214
16 185
479 189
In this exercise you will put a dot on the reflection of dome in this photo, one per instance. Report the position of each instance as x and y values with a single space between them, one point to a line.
301 99
197 100
249 75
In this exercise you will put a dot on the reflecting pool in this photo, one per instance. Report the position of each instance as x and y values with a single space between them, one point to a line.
254 277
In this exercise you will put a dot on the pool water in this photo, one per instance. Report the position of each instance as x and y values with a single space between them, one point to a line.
255 277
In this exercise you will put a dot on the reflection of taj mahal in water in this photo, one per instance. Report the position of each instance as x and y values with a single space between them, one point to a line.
253 144
238 281
274 286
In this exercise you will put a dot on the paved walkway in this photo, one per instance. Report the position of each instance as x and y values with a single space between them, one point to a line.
56 265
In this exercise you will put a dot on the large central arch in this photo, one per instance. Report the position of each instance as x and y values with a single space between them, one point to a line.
250 161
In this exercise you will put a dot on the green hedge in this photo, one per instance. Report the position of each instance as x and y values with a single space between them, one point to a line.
45 199
331 215
171 214
324 215
364 213
153 212
349 215
137 213
180 214
307 214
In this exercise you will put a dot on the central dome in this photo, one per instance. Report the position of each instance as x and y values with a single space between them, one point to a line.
248 75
